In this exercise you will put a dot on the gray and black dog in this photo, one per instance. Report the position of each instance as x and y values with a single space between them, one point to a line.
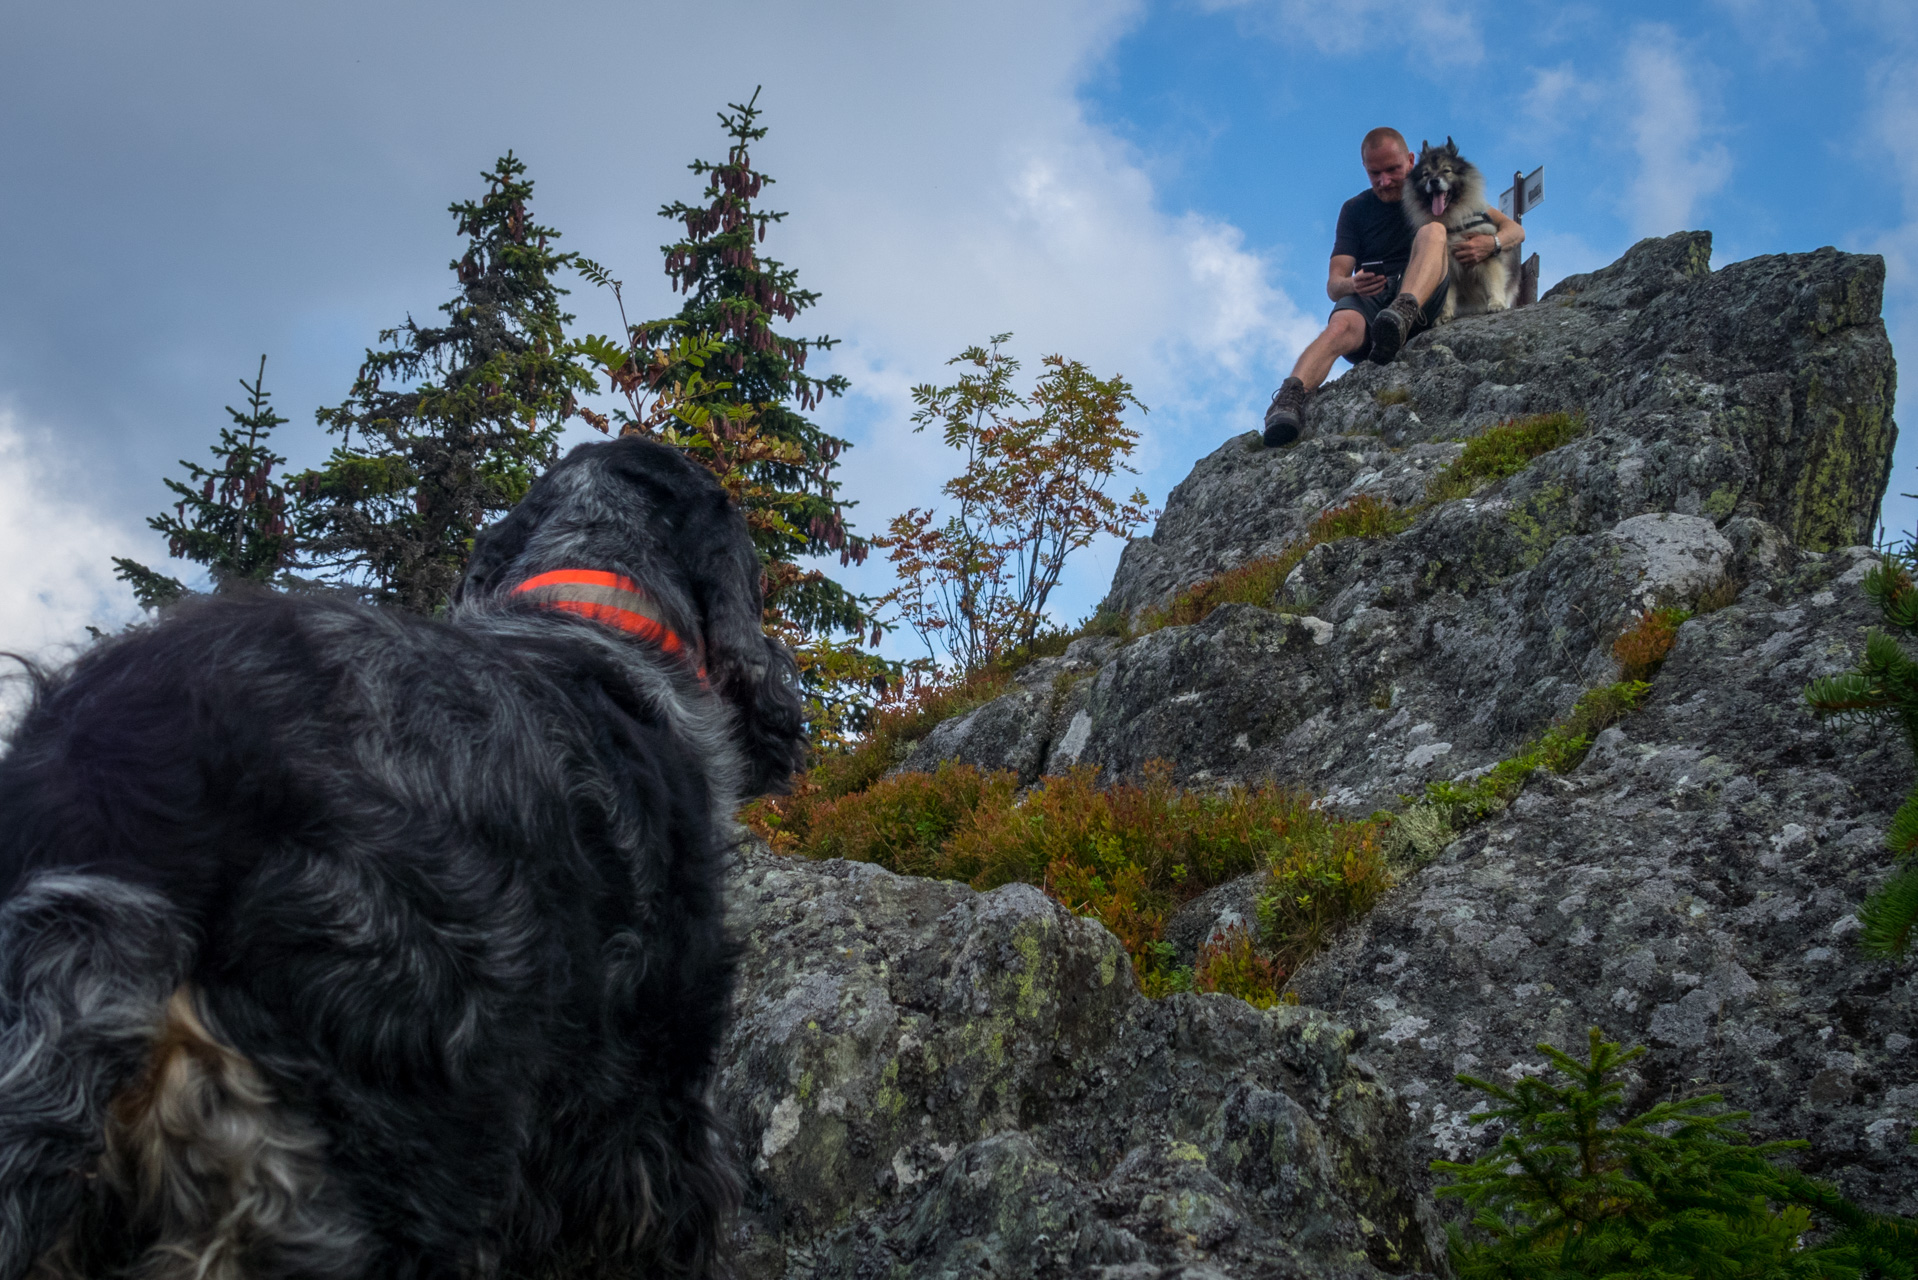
1447 188
338 942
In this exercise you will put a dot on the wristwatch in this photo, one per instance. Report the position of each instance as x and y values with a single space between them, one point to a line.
1496 246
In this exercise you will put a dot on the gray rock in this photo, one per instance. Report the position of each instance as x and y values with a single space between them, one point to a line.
1693 886
928 1081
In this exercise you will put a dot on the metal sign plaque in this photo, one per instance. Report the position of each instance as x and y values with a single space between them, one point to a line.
1534 185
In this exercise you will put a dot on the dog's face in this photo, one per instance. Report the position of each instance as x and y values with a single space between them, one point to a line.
644 511
1440 179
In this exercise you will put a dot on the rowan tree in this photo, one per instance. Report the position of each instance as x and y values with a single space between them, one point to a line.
230 517
447 426
1033 491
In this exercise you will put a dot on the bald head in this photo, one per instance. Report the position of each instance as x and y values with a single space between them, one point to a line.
1387 161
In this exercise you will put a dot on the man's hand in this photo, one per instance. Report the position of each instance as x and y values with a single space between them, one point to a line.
1473 250
1368 283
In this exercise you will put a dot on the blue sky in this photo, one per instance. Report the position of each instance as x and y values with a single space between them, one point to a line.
1149 187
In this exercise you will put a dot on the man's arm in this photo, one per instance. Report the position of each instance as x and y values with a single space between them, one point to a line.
1339 280
1475 249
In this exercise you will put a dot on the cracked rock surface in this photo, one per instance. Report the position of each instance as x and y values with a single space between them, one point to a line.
1692 886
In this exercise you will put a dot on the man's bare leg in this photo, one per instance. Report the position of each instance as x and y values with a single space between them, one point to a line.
1343 334
1393 325
1285 418
1428 264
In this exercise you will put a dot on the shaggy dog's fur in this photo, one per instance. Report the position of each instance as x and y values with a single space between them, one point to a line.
337 942
1447 188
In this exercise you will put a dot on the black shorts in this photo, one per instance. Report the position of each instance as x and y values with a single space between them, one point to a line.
1368 308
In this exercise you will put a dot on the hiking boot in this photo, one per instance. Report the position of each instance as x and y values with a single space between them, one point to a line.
1392 326
1286 414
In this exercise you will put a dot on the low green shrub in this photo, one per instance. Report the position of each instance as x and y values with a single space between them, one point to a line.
1229 963
1574 1189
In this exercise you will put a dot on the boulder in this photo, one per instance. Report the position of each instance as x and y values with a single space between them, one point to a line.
926 1081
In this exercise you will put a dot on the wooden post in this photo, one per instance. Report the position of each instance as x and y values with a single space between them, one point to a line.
1528 273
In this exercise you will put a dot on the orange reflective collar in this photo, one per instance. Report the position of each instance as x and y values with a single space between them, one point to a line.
611 598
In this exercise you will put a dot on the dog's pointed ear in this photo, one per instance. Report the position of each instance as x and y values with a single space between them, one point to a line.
1425 145
1450 145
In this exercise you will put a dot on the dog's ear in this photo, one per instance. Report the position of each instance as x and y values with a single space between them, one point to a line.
496 548
1425 145
746 666
1450 145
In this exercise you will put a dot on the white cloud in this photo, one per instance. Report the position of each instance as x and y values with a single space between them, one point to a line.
1671 126
1445 30
57 550
1779 30
1558 97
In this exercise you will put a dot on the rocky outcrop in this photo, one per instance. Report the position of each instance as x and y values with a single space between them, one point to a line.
1692 886
1762 390
1726 410
929 1081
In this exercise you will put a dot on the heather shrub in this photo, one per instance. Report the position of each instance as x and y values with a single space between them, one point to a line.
906 822
1642 649
1230 964
1127 855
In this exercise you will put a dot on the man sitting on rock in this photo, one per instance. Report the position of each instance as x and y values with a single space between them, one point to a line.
1385 282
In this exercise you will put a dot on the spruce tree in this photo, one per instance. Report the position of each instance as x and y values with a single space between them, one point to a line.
231 517
446 427
724 351
1575 1189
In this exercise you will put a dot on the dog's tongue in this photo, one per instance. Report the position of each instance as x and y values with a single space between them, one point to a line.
1438 204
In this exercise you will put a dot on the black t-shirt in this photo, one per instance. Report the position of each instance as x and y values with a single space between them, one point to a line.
1370 230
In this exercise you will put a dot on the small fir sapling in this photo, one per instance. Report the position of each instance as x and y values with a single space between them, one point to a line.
1574 1188
1884 688
231 517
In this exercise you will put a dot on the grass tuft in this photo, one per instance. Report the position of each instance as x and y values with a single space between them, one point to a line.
1258 581
1386 397
1559 749
1503 450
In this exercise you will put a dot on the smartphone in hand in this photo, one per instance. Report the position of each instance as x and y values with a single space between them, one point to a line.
1377 267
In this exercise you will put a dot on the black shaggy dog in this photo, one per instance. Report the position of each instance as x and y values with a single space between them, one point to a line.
337 942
